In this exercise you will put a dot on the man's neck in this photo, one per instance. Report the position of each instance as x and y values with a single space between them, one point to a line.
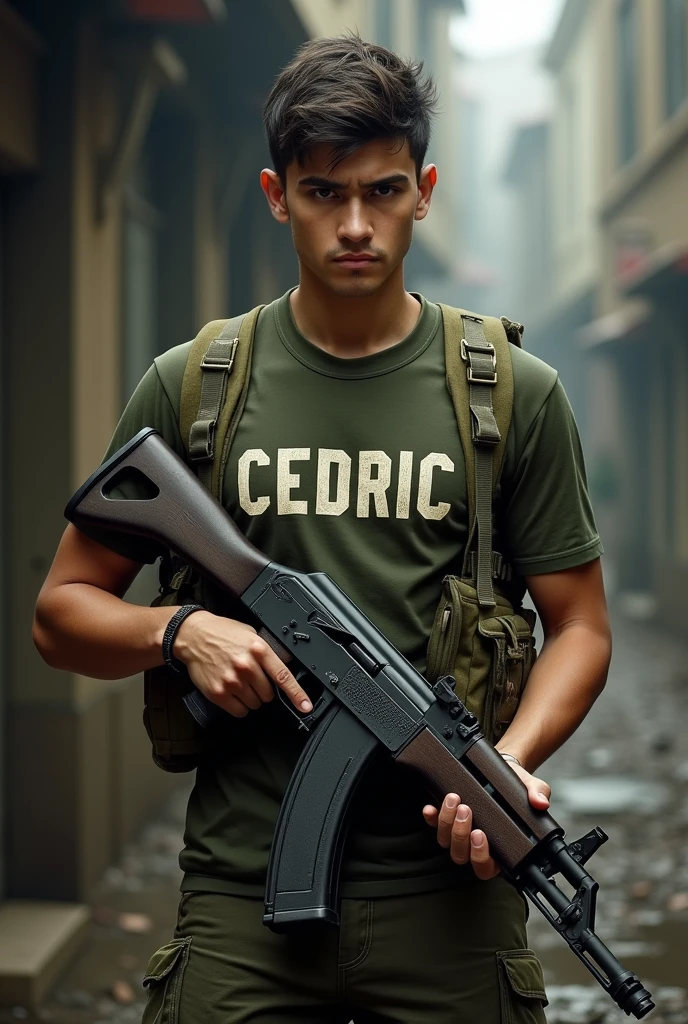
351 327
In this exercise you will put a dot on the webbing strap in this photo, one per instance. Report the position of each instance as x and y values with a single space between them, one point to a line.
479 354
216 367
501 569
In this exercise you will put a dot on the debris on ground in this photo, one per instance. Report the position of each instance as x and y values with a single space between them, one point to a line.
137 924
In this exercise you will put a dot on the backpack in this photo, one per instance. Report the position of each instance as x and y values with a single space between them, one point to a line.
481 635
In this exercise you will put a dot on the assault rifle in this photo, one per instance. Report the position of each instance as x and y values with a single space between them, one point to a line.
369 695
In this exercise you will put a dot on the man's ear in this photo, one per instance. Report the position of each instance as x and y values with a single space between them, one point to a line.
426 183
275 193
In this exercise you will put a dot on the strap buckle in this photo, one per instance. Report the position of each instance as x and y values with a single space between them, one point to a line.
487 349
225 365
479 376
490 381
202 441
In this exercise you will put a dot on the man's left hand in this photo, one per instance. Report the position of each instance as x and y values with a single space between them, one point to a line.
454 824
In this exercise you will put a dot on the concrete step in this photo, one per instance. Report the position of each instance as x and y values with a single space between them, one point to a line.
37 940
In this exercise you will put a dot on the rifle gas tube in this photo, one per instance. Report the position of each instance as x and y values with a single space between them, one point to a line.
371 697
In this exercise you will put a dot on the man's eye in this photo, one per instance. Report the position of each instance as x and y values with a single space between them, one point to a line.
384 191
318 192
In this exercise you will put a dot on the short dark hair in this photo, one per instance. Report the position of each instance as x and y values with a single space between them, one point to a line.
344 92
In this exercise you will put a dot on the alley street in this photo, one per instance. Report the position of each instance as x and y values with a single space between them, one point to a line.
626 770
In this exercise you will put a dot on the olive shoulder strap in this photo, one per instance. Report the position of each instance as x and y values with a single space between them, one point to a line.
213 393
480 381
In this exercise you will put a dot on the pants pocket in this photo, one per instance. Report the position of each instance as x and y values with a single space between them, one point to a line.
521 987
163 979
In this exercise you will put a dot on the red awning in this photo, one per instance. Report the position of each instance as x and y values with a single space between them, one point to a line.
189 11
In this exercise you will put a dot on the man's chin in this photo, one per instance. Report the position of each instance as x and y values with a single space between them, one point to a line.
354 287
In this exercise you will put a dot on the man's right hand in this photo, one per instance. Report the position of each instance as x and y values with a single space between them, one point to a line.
232 666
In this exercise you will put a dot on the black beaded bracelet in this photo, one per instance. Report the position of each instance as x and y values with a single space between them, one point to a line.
169 636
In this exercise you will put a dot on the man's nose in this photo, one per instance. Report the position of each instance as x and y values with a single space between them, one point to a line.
355 223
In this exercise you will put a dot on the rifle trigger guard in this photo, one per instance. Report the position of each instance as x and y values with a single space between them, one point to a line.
319 708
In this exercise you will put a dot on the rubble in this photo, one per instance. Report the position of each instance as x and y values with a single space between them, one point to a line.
137 924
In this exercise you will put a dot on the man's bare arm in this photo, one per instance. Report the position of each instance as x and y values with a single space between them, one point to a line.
83 625
572 667
81 622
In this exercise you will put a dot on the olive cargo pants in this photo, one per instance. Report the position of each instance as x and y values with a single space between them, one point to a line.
449 957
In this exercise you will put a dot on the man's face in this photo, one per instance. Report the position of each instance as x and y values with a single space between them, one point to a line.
352 225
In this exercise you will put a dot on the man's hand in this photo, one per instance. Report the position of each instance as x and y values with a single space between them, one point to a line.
232 666
454 824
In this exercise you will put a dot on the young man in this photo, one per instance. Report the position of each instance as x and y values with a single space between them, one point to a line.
350 362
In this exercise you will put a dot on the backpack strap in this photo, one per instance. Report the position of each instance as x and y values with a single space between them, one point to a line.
214 388
481 384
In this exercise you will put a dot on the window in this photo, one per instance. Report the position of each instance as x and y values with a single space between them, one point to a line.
675 54
628 74
383 23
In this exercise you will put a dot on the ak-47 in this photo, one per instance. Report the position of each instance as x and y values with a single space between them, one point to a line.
370 694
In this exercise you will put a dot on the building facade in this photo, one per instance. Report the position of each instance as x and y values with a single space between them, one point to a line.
501 96
573 195
553 170
641 336
130 214
612 271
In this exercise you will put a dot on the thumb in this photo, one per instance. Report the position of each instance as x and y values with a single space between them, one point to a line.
539 793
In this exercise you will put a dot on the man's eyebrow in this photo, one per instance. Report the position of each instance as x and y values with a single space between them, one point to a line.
313 179
317 182
391 179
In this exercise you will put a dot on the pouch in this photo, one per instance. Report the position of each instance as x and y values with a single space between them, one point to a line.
490 652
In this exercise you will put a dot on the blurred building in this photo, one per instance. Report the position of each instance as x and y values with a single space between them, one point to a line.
499 96
640 336
553 169
130 214
605 242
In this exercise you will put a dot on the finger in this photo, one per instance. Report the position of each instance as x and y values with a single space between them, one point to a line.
430 814
246 695
461 835
445 819
483 864
259 684
279 672
230 704
539 792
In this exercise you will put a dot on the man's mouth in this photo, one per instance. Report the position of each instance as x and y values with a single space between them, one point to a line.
355 260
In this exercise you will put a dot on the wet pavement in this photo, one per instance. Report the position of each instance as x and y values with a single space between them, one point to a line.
626 770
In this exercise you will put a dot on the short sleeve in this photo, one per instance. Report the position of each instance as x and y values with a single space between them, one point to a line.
149 406
548 519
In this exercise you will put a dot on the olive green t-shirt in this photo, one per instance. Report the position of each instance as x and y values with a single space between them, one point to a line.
354 467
